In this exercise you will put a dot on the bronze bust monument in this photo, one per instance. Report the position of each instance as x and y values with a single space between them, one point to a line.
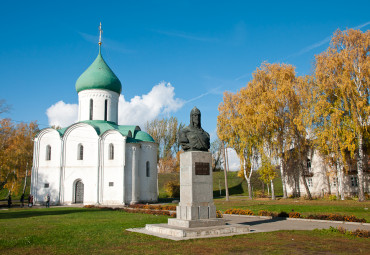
193 137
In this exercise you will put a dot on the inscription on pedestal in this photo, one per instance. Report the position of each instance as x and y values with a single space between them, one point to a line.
201 168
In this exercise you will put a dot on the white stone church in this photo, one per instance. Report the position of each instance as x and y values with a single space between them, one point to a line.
95 161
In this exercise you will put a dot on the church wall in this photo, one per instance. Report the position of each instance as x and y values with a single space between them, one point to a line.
47 169
113 169
148 184
86 169
320 183
99 96
128 173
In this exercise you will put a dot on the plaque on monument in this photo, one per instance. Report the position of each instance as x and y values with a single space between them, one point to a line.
201 168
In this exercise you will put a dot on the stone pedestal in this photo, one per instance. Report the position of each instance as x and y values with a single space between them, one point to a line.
196 207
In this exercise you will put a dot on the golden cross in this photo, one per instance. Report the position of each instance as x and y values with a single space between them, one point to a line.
101 31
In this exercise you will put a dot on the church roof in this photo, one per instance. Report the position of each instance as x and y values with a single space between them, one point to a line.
98 76
133 133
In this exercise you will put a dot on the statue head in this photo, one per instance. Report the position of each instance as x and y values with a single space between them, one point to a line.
195 118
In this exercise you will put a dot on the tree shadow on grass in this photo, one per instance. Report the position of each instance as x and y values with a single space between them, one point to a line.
264 221
27 213
235 190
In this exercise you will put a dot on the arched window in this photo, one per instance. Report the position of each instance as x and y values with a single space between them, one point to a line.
105 109
48 152
111 151
91 109
147 169
80 152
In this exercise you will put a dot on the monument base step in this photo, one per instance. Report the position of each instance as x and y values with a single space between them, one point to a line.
196 223
180 233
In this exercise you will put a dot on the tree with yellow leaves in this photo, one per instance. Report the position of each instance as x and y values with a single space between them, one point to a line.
235 127
343 91
278 107
164 132
267 173
16 152
268 115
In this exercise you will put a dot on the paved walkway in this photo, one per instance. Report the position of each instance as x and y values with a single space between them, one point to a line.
266 224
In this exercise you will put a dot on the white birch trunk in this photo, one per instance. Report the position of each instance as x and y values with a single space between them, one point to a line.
283 178
25 180
340 180
272 191
248 177
360 170
226 185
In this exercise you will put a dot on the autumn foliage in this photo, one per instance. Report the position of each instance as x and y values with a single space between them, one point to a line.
16 152
280 115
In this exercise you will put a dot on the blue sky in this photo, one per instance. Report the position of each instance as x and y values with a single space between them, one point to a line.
202 48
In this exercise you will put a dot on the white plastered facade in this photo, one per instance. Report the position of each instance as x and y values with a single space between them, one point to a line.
322 181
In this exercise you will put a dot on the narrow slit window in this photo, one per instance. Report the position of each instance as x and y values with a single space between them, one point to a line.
48 152
111 151
105 109
147 169
80 150
91 109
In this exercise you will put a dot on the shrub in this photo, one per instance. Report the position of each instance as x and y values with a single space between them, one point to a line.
259 194
138 208
336 217
168 207
361 233
294 215
154 207
219 214
173 188
89 206
239 211
283 214
358 232
332 197
266 213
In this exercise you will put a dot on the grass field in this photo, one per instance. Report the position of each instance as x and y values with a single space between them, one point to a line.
305 207
92 231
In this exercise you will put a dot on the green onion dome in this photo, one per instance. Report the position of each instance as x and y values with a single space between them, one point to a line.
143 136
99 76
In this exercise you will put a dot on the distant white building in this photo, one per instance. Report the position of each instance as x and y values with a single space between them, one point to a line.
321 180
95 161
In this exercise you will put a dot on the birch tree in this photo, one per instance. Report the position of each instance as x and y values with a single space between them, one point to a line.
235 125
343 79
276 106
267 173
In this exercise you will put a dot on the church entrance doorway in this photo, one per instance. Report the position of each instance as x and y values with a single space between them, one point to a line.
79 192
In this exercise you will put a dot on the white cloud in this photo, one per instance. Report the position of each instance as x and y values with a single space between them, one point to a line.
140 109
234 162
62 114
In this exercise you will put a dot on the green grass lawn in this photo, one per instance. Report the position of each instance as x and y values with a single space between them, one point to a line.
237 186
305 207
93 231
